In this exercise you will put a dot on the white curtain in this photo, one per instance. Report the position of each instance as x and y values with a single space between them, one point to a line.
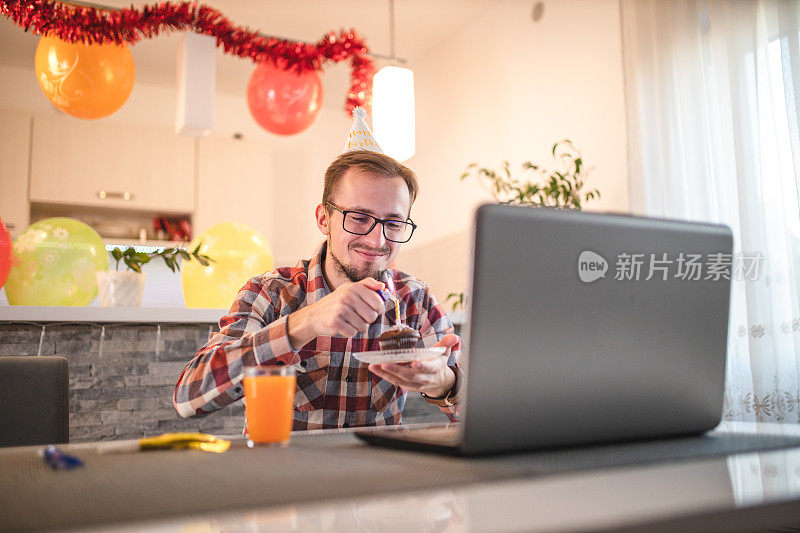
713 97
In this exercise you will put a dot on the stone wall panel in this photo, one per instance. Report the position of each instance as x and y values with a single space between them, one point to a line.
122 377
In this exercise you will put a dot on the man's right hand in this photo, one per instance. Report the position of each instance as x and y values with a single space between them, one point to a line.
349 309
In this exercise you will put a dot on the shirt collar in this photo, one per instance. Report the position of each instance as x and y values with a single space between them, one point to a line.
316 286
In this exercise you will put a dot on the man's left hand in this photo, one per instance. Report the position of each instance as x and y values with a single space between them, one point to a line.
433 377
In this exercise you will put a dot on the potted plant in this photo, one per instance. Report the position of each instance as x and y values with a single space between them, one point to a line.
560 189
124 288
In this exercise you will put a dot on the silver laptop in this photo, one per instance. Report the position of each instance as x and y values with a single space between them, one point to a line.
586 328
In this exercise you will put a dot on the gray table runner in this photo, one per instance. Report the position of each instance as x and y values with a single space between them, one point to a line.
158 484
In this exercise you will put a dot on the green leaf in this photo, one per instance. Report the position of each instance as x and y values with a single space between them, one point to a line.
457 297
554 188
116 253
133 265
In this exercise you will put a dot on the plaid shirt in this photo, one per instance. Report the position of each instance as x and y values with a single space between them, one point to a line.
333 388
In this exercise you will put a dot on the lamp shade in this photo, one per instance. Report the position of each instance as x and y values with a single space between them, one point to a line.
194 115
393 111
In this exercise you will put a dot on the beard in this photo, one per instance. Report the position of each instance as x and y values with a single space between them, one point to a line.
352 273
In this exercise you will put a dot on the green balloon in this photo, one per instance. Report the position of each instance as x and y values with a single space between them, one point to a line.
55 261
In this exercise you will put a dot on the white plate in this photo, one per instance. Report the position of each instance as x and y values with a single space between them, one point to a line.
399 356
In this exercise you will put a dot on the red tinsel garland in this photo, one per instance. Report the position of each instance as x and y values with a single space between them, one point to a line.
129 25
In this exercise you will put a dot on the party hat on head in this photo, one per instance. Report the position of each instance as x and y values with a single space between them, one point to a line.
360 136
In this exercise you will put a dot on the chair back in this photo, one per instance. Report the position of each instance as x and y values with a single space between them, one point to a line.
34 400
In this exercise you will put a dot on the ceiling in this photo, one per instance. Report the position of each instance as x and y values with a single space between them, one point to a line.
420 25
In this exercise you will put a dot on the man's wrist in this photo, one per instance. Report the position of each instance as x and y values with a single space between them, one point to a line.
299 329
453 396
449 383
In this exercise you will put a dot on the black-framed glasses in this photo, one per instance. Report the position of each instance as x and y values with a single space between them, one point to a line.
359 223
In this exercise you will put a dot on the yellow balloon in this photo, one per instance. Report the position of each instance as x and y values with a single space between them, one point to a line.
55 264
239 253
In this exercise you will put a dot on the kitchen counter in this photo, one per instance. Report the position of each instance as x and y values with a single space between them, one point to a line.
142 315
36 313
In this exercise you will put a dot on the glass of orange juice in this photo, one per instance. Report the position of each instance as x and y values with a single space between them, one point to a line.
269 392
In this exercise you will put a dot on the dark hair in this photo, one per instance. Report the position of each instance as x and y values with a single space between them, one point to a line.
367 161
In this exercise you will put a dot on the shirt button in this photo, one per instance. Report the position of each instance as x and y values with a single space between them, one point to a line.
303 363
348 379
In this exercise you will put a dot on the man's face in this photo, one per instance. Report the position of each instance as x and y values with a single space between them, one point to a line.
359 256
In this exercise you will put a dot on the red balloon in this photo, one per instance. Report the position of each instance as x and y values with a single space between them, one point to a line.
283 102
6 247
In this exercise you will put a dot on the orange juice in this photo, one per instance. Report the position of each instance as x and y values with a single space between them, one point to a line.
269 394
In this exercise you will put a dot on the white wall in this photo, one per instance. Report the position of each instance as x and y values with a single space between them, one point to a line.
506 87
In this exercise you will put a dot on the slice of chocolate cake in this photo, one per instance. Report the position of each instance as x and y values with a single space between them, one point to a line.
398 338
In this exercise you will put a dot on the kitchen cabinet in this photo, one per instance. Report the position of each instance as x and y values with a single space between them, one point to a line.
234 184
15 135
97 164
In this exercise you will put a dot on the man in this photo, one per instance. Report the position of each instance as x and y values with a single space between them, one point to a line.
315 315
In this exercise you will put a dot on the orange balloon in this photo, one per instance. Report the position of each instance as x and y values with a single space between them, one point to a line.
84 80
